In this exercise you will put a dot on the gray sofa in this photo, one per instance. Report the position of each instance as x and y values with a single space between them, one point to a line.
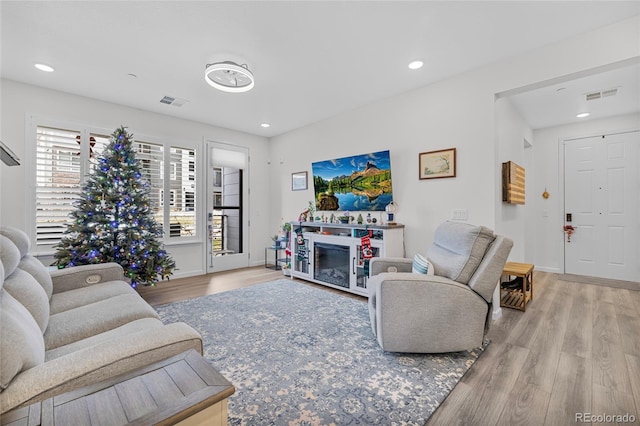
64 329
445 312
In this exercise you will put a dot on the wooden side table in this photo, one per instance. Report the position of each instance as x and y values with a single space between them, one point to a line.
519 297
184 390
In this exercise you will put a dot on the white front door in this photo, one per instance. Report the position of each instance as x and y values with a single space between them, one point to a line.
602 198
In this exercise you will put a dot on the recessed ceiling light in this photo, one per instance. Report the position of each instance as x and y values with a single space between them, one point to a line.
265 125
582 115
44 67
416 64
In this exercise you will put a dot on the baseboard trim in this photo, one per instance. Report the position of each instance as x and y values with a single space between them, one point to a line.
604 282
547 269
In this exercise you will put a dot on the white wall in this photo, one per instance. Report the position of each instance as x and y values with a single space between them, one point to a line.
450 114
512 131
21 101
548 214
457 112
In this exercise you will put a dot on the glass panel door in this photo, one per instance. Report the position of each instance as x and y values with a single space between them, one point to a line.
227 198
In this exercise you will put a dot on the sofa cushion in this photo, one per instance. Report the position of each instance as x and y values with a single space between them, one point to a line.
33 266
9 255
71 299
21 345
18 237
151 325
38 271
20 284
26 290
458 249
84 321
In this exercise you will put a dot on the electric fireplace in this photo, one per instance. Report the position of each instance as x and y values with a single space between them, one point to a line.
331 264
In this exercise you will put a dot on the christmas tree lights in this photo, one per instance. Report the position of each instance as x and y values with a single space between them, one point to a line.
113 220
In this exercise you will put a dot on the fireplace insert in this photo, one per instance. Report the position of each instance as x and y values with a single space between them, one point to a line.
331 264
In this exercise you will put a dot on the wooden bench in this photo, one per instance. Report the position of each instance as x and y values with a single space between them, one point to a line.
517 298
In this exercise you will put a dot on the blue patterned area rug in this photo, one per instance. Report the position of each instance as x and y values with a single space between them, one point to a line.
299 355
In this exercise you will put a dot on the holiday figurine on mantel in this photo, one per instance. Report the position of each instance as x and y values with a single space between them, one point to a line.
113 220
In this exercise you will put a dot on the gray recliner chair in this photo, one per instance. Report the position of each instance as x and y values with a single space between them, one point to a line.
446 312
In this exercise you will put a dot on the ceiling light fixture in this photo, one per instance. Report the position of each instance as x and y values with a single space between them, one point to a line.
416 64
265 125
44 67
229 77
582 115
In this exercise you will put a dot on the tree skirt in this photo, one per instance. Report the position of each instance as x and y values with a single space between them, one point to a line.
301 355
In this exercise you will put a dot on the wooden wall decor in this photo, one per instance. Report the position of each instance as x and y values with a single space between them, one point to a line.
512 183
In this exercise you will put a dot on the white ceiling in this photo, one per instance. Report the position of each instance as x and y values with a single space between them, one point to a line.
559 103
311 60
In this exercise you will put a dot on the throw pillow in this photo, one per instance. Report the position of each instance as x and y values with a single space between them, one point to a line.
421 265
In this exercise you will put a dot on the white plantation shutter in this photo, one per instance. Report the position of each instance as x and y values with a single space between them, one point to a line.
151 158
57 181
65 157
182 216
97 145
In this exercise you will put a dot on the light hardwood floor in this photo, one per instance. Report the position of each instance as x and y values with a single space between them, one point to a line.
575 350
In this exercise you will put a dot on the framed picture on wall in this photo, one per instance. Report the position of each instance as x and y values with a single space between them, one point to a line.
299 181
437 164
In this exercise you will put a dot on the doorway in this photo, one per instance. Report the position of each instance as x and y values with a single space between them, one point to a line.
602 203
227 207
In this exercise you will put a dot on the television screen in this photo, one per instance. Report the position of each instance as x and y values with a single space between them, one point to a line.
360 182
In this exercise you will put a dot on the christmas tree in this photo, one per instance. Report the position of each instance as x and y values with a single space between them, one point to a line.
113 221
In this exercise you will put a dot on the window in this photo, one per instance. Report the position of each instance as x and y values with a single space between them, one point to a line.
60 172
97 144
151 165
57 181
189 201
65 157
217 199
172 198
217 177
192 170
182 214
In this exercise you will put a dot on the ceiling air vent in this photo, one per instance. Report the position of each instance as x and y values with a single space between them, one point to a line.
176 102
590 96
602 94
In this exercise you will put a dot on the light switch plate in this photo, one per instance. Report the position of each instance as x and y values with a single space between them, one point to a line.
459 214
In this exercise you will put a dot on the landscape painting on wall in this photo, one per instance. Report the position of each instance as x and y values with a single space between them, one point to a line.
360 182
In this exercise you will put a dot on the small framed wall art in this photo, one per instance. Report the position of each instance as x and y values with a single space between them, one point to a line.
299 181
437 164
